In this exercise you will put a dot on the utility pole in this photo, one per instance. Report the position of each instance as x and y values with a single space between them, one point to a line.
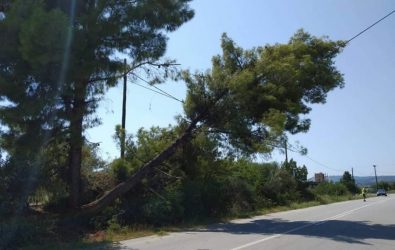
123 131
352 173
375 174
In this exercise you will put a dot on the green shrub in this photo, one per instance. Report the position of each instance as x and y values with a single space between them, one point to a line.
21 232
121 169
206 198
281 189
103 219
240 195
331 189
163 209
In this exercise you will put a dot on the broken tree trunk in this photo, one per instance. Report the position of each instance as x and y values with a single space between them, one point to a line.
109 196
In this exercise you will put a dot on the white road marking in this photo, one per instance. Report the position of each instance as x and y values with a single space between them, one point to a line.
307 225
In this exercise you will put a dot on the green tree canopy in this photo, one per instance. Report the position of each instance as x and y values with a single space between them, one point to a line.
299 173
58 58
250 98
349 181
253 97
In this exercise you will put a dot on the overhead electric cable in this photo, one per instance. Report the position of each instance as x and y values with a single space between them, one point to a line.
323 165
158 90
363 31
290 148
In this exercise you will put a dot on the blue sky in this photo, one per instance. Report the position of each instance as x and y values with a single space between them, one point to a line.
354 129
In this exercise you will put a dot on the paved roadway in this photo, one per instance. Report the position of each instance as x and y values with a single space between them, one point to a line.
347 225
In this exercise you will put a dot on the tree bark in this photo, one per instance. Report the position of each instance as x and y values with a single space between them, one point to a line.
76 141
145 170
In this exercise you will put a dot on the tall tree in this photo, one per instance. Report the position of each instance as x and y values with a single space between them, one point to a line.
251 97
349 181
57 59
299 173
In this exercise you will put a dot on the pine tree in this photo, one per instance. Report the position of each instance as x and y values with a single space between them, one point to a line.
58 58
250 98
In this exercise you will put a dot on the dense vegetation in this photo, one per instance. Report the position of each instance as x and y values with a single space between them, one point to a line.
202 167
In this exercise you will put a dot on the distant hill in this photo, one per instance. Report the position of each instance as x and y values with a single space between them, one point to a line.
365 180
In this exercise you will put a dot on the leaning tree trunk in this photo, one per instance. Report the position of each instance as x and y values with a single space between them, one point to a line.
145 170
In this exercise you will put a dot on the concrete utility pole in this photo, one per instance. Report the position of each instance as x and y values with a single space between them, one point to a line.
375 174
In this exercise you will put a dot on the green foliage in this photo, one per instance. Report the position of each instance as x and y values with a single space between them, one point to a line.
384 185
200 181
348 181
299 173
120 135
52 25
16 233
57 60
100 181
121 169
202 199
264 92
248 100
240 195
149 143
280 189
167 209
18 183
331 189
51 88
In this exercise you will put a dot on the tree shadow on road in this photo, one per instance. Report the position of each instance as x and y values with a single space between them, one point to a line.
337 230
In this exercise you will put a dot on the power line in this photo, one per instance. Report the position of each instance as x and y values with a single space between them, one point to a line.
166 94
323 165
290 148
158 90
363 31
153 90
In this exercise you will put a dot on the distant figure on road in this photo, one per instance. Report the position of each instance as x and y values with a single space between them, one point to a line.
364 193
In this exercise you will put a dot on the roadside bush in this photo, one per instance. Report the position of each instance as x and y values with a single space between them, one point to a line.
281 189
306 194
241 196
204 198
147 206
163 209
16 233
107 216
349 182
16 184
331 189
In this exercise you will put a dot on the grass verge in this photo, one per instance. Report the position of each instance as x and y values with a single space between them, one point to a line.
125 233
114 233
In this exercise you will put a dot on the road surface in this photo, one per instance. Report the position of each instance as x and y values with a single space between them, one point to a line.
346 225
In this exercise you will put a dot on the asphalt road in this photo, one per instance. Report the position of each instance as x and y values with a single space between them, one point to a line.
346 225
